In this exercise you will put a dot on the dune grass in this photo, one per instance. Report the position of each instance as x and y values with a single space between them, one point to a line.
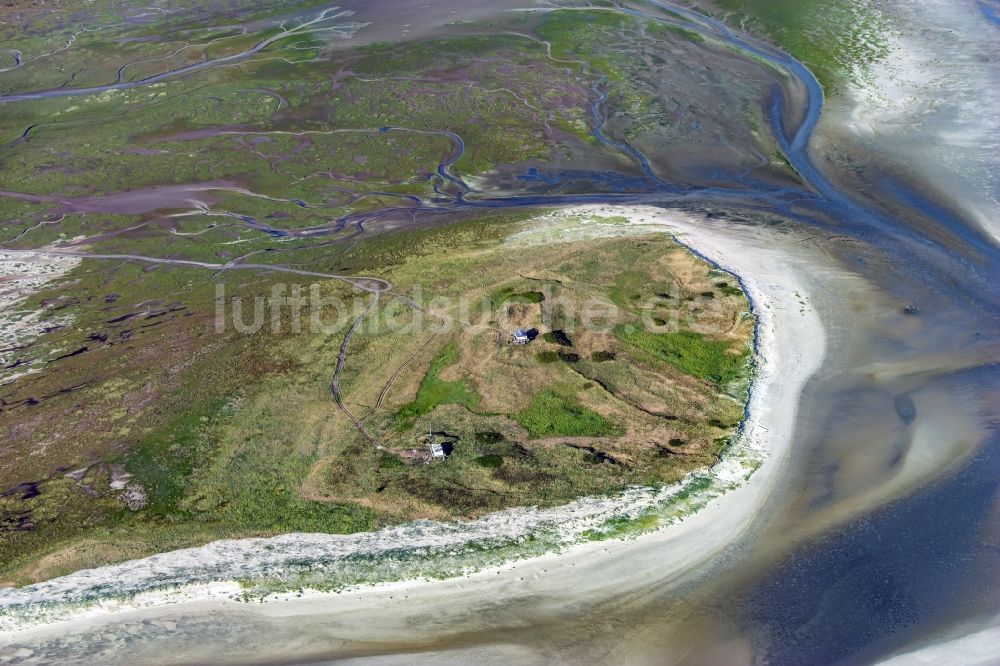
556 412
435 391
689 352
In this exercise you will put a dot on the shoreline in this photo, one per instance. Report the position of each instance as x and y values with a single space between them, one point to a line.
775 283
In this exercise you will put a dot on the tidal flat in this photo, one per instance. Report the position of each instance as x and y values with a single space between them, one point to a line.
793 146
315 173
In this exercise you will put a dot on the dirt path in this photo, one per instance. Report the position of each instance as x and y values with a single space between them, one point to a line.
341 362
364 283
403 366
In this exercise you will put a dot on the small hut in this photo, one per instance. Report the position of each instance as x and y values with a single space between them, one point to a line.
437 448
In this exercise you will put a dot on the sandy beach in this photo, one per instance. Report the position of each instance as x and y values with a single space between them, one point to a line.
791 345
22 274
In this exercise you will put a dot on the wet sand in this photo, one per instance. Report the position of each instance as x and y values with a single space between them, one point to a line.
931 103
974 645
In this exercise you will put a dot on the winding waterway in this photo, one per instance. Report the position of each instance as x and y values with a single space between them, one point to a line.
328 19
880 533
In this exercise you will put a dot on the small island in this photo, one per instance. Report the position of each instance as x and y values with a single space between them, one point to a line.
497 363
579 368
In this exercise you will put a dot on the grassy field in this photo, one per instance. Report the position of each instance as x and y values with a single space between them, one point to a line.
510 411
435 391
691 353
556 412
150 396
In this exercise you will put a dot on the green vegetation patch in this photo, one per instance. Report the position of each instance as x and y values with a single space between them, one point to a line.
630 288
837 39
556 412
165 460
660 29
490 461
547 356
689 352
435 391
726 289
565 25
510 294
